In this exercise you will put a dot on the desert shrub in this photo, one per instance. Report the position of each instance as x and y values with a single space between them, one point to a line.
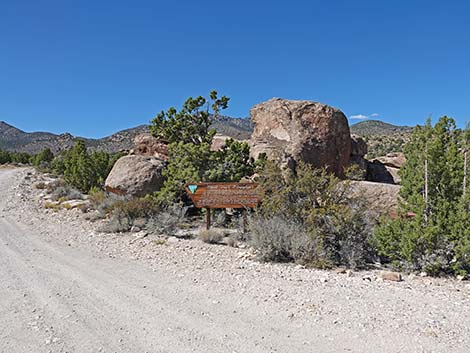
272 237
211 236
332 228
123 213
19 157
355 172
50 186
5 157
166 221
64 193
96 195
58 164
43 158
136 208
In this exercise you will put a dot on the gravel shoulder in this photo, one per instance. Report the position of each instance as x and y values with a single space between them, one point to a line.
67 288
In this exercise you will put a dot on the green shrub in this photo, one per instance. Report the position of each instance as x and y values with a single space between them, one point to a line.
43 158
5 157
312 219
81 169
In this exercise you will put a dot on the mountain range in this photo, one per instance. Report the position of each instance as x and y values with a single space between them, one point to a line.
14 139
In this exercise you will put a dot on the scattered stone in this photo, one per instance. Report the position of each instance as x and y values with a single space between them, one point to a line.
75 203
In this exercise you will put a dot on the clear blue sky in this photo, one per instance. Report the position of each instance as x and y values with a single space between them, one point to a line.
94 67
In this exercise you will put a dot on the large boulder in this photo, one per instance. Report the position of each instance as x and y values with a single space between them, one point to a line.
306 131
386 169
147 145
381 173
394 160
380 198
135 176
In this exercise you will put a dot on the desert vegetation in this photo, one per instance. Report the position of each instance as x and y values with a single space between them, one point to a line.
306 215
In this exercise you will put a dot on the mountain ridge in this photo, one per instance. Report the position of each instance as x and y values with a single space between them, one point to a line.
16 140
377 127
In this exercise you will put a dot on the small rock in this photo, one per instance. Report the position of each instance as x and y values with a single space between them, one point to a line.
135 229
423 274
391 276
461 277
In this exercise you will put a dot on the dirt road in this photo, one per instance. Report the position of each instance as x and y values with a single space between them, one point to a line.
59 296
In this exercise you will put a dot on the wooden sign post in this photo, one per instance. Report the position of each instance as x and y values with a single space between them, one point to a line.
222 195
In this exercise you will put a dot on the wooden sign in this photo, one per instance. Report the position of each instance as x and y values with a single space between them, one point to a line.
223 195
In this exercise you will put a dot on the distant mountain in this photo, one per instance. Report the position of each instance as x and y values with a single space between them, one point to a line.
382 138
239 128
377 127
14 139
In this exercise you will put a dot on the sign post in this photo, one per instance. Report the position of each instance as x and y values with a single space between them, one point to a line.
222 195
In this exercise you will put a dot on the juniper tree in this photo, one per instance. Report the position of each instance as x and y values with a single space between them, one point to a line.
432 180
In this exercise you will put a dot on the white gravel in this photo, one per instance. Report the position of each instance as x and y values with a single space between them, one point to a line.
67 288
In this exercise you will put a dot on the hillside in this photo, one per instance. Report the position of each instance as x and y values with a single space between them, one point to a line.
382 138
377 127
14 139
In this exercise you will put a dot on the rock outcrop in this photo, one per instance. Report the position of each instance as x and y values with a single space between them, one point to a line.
218 141
147 145
135 176
358 151
306 131
386 169
394 160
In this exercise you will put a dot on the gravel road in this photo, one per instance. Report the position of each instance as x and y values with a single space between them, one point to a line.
64 287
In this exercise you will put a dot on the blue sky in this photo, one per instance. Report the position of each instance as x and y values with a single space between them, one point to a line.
94 67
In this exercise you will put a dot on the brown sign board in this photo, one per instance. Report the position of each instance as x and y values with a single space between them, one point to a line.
223 195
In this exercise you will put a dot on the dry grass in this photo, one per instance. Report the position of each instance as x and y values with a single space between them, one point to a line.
211 236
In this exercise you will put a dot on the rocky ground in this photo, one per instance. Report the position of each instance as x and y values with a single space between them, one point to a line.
68 288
